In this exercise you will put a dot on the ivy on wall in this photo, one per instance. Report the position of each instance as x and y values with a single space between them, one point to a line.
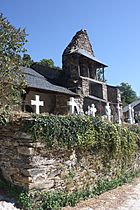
85 133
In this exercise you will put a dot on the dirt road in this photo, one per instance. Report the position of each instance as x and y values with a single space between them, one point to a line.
126 197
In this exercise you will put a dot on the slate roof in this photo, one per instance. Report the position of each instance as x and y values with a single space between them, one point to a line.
133 104
52 74
86 54
36 80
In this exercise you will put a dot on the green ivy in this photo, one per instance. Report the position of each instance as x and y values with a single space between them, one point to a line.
58 130
85 133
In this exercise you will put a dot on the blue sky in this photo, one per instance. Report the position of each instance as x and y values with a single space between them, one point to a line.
113 27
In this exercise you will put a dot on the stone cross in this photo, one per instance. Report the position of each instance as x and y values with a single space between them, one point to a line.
72 104
37 103
88 112
108 111
91 110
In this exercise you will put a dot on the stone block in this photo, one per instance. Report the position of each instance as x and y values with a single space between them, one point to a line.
22 135
42 184
25 150
36 171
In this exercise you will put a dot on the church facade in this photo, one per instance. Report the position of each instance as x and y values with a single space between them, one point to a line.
81 77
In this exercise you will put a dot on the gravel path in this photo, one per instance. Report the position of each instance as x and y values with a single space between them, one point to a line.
126 197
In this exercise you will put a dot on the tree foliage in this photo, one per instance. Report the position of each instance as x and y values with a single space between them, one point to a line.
47 62
128 95
12 81
27 60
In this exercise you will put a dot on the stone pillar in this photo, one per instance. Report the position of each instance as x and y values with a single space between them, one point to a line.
104 88
131 114
85 87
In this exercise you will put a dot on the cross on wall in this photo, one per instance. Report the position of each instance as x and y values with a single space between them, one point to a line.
37 103
72 105
93 110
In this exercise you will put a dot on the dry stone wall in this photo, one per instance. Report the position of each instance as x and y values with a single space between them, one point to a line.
31 165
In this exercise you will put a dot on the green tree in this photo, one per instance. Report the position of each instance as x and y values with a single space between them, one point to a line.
12 81
27 61
128 95
47 62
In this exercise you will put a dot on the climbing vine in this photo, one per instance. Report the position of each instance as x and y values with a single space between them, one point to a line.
112 141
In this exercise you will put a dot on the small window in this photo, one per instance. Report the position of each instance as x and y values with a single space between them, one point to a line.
95 89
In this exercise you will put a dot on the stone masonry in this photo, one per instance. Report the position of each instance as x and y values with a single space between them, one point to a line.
80 41
32 166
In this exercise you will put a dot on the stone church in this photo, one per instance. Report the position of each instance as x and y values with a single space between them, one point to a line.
81 77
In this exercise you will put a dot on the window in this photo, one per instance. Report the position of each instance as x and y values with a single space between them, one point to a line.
95 89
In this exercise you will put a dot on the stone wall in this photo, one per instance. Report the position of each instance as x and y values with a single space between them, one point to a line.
104 89
61 104
85 87
32 166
